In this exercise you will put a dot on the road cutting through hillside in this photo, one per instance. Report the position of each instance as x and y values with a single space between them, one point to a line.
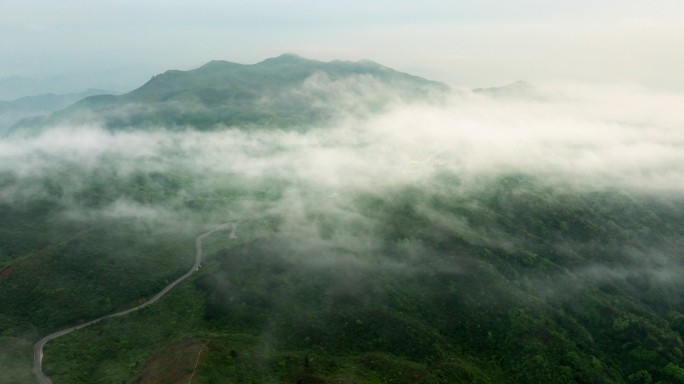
38 347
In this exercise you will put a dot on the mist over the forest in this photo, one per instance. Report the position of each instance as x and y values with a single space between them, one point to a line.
496 196
567 137
582 136
524 196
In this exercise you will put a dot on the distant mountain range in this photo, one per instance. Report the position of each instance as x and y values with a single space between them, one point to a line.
31 106
16 87
285 91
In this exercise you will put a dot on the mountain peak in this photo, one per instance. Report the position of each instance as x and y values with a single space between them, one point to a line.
286 58
219 65
271 93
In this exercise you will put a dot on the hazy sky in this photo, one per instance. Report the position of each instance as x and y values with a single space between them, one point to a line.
464 43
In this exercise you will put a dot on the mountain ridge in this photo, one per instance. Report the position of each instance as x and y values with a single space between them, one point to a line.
287 91
29 107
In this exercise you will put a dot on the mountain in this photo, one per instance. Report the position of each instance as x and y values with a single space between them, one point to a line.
324 257
15 87
285 91
33 106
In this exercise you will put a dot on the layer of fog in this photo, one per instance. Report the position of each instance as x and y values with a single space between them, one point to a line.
586 138
593 137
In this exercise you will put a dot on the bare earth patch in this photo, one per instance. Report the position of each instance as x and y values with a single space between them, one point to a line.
177 363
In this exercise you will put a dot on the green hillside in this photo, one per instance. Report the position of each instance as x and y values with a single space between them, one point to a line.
25 108
287 91
355 261
511 281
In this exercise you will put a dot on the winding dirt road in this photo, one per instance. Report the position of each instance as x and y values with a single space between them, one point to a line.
38 347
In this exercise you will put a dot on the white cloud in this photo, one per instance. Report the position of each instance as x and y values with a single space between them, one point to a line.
584 135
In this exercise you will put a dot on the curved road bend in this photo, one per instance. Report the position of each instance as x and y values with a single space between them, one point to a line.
38 347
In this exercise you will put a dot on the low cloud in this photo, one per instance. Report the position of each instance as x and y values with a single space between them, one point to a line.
120 209
583 135
586 138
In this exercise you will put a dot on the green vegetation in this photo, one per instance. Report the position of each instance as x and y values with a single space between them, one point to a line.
443 278
569 296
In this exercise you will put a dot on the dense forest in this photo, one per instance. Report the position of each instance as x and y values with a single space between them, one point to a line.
366 251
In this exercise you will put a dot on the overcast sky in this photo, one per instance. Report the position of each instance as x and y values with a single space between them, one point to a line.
464 43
